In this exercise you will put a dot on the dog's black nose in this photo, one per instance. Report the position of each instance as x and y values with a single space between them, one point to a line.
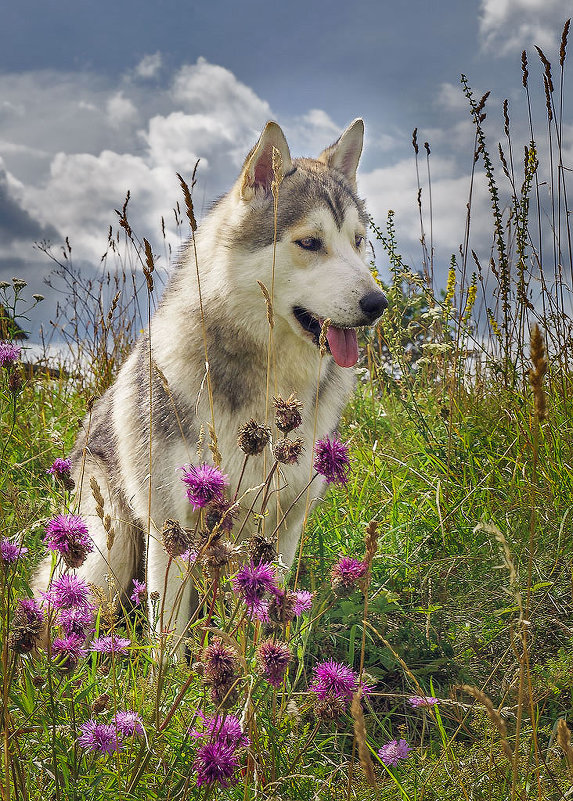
373 304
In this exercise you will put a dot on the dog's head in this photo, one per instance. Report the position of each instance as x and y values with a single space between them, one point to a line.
321 226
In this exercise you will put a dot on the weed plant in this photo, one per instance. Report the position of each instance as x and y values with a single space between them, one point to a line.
421 646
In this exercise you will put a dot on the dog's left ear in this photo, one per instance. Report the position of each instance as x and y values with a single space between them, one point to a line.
258 170
344 154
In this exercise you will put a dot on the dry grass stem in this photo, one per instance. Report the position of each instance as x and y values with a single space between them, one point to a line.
360 735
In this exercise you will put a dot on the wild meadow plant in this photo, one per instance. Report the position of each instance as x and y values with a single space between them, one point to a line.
421 646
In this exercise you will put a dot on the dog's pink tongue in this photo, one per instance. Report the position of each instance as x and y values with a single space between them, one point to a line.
343 345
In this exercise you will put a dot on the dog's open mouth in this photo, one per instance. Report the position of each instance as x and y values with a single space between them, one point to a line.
342 342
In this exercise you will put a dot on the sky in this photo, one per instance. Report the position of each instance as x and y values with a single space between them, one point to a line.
100 98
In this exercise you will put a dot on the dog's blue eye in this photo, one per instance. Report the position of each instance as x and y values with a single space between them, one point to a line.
358 240
309 243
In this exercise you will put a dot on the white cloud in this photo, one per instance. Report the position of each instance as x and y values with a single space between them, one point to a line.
149 66
450 97
204 88
74 145
121 111
508 26
396 188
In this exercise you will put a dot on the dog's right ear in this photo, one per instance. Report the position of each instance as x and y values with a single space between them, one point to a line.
258 170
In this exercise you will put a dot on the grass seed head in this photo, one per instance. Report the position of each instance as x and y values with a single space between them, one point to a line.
538 371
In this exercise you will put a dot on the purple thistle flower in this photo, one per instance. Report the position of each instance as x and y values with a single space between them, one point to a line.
425 701
110 645
259 610
222 729
332 461
68 650
68 591
99 737
272 661
252 581
334 679
11 551
9 354
68 534
128 723
346 573
303 601
60 468
393 751
76 620
189 557
139 592
216 763
29 610
204 484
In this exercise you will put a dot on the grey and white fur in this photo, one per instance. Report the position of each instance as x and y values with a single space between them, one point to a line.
320 272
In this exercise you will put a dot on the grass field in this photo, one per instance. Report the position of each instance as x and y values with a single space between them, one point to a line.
436 662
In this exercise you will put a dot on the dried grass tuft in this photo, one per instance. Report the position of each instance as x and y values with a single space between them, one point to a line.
538 371
564 740
360 734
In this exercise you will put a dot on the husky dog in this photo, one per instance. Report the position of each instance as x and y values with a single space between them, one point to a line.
314 266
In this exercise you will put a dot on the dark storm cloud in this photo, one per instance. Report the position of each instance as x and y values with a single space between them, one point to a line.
16 224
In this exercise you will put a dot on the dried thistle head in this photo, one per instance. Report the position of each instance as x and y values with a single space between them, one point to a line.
288 451
287 413
26 626
220 515
262 549
217 556
329 708
281 608
538 371
101 703
220 671
176 539
253 437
